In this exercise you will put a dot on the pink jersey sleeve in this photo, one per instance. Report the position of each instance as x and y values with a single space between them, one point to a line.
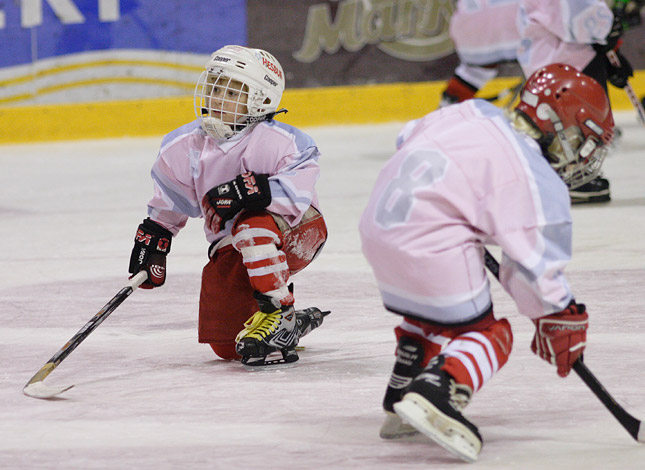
462 177
190 163
561 31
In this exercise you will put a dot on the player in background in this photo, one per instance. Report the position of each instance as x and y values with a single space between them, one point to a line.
253 181
578 33
485 35
632 12
435 205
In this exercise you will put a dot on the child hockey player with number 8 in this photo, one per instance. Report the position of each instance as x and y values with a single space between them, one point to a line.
463 177
253 181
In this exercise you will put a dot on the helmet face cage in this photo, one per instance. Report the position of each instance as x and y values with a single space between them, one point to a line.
572 112
239 88
221 104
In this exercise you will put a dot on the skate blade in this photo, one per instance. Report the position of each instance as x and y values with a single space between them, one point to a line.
394 428
283 359
445 431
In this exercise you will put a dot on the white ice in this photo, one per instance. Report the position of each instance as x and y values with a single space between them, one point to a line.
147 395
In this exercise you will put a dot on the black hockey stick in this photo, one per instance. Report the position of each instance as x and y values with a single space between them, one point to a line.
631 424
35 387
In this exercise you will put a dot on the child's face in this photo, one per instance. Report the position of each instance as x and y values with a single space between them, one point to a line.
226 99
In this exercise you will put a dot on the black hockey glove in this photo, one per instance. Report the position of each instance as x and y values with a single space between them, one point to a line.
248 191
151 245
619 75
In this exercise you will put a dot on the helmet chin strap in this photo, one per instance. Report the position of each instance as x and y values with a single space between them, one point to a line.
266 117
218 129
559 131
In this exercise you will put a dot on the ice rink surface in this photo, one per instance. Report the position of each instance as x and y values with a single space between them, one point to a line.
148 396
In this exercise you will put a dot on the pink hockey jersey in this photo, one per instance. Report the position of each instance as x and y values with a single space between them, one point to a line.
190 163
485 31
463 177
561 31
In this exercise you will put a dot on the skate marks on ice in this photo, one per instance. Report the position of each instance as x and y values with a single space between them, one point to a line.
149 396
144 361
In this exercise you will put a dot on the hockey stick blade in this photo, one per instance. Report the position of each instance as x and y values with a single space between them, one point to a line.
631 424
35 388
40 390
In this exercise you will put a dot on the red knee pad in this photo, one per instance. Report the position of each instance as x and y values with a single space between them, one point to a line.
272 251
302 243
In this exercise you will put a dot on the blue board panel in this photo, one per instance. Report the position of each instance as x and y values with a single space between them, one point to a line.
191 26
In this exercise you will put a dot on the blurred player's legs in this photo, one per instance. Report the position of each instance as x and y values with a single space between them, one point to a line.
466 82
596 190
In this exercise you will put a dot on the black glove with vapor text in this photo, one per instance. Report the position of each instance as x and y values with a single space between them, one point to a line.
151 246
248 191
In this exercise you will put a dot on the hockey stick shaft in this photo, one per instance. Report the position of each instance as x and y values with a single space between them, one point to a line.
615 61
83 333
630 423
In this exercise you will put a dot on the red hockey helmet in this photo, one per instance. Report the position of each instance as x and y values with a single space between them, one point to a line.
572 112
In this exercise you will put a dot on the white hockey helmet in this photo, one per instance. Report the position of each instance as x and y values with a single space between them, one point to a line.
240 87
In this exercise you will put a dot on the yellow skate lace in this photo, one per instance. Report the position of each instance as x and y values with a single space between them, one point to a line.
260 325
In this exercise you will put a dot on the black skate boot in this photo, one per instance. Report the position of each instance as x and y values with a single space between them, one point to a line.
409 356
433 406
272 329
309 319
596 190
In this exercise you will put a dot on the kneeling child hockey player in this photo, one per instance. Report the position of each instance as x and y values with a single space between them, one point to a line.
253 181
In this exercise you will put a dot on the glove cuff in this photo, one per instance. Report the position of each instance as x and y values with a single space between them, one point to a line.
162 236
255 190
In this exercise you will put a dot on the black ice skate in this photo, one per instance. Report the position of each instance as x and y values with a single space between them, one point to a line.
309 319
433 406
409 356
271 329
596 190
